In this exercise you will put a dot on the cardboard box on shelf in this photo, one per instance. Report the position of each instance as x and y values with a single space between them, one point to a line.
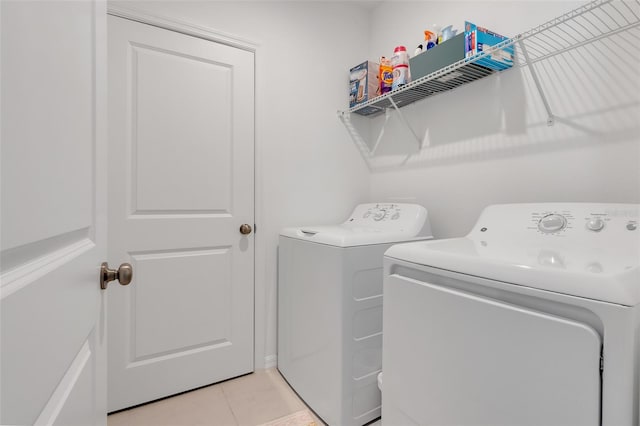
476 39
363 84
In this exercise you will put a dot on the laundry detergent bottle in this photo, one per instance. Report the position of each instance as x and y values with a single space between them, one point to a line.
400 63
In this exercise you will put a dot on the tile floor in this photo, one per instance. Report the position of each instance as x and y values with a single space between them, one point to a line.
246 401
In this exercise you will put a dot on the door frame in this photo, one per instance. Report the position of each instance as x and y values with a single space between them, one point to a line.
259 260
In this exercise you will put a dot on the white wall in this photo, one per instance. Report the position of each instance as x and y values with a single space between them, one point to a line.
308 169
489 140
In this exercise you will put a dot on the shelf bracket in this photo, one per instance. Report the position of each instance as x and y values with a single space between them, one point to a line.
405 122
534 75
366 153
381 134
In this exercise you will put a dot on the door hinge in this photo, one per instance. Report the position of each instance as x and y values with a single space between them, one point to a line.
601 360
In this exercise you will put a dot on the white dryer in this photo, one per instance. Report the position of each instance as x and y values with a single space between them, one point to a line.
330 308
531 319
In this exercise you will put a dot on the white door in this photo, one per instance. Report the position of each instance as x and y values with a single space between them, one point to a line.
53 211
180 186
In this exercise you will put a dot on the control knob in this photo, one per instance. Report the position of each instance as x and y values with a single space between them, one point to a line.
379 215
552 223
595 224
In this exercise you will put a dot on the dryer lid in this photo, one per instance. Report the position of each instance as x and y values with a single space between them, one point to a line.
374 223
514 244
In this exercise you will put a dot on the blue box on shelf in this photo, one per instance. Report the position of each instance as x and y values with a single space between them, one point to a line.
476 39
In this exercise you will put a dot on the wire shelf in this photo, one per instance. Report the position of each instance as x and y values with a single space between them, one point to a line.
590 23
587 24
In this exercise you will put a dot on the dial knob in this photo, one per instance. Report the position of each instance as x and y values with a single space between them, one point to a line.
595 224
552 223
379 215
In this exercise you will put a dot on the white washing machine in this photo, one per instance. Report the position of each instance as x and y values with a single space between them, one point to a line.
330 308
531 319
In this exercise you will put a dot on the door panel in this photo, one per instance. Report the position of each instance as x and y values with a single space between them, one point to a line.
53 210
182 105
181 133
197 321
455 358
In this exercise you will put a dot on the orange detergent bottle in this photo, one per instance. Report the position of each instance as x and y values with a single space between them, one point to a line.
385 76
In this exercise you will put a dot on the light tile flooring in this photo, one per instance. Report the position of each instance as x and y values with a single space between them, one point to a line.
246 401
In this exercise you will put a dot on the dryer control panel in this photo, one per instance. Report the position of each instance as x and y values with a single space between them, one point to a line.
597 219
566 220
592 238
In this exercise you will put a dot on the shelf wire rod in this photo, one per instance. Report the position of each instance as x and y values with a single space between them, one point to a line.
534 50
632 35
555 40
598 28
586 30
584 43
627 45
573 15
537 50
534 75
630 10
548 46
599 18
557 31
621 58
381 134
345 117
574 38
606 12
580 33
406 123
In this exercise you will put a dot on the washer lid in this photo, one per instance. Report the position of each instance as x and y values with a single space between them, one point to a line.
341 236
512 243
370 224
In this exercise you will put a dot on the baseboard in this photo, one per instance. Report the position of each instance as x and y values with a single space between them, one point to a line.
270 361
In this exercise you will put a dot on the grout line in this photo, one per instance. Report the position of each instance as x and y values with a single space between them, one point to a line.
233 413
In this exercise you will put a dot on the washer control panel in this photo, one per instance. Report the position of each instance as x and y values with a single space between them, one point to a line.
389 217
380 212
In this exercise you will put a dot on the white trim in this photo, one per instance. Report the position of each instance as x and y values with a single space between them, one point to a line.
260 237
24 275
270 361
60 396
182 27
260 244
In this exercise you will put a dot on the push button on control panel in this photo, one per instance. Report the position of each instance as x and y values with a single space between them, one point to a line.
632 226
